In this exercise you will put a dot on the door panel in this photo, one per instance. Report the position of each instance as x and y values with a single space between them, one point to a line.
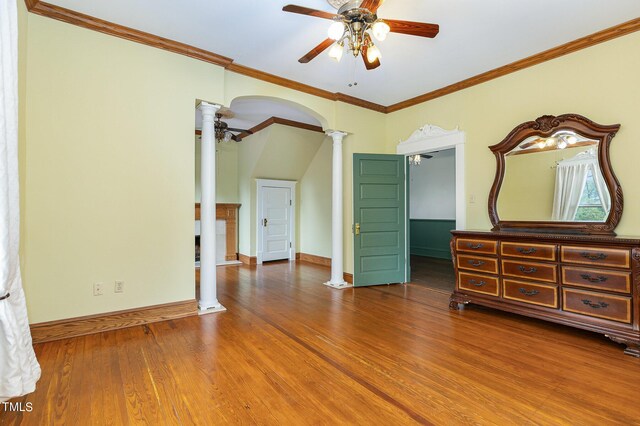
276 208
379 211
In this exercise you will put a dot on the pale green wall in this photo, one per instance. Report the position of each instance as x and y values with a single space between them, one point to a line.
281 153
110 167
315 203
600 82
226 172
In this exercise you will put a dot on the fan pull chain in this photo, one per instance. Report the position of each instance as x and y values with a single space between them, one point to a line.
353 73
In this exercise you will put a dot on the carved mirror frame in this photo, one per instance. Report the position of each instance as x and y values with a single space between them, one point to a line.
546 126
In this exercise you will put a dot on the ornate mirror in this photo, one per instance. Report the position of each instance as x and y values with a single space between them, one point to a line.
554 174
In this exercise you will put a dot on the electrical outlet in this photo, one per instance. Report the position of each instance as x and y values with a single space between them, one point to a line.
472 199
98 289
119 287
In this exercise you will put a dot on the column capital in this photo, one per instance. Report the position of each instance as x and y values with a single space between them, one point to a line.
208 110
337 135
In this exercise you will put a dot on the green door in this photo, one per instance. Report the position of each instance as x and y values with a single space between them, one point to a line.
379 219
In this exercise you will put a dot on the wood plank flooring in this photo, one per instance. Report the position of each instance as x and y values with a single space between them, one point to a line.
434 273
291 351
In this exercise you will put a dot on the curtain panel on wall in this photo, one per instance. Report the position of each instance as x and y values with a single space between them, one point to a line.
19 369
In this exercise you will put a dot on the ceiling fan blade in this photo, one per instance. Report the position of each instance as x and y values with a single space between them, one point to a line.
236 138
239 130
309 12
368 65
316 51
371 5
420 29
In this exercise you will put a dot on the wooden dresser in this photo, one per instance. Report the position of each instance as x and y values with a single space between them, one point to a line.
589 282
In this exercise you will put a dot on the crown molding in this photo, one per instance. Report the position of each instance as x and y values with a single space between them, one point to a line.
285 122
106 27
277 120
564 49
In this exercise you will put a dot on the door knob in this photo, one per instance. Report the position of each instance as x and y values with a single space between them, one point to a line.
357 229
264 222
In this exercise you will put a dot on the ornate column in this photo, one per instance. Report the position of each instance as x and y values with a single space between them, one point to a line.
208 292
337 268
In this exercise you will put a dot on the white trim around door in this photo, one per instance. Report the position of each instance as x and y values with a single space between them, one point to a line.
429 138
263 185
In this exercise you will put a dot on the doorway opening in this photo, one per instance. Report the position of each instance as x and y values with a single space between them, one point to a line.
431 216
436 202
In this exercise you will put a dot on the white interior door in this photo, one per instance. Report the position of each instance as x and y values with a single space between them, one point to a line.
276 223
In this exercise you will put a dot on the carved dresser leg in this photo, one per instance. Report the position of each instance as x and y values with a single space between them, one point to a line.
633 346
633 349
455 301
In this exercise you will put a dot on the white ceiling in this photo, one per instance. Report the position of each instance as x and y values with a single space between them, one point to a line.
475 36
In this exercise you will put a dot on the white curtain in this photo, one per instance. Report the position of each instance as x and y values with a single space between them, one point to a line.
570 179
19 369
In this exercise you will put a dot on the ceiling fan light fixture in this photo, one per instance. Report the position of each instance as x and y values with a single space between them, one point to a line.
380 29
336 30
227 137
373 53
336 52
571 139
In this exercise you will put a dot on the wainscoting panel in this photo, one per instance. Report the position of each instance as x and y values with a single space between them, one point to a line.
430 237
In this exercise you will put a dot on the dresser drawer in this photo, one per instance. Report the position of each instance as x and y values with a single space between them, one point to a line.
537 294
477 246
529 251
595 256
597 278
530 270
478 263
600 305
478 283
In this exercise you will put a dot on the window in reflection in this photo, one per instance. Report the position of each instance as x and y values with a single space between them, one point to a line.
590 208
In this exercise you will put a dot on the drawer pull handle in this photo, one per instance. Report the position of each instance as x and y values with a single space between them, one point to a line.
599 256
595 305
476 262
528 292
524 270
598 279
475 246
477 283
526 251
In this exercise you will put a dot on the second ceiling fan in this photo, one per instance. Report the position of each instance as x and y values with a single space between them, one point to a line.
355 25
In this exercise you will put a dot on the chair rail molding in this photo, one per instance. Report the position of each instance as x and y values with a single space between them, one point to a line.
429 138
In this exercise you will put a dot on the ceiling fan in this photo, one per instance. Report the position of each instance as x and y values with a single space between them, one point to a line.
354 25
223 132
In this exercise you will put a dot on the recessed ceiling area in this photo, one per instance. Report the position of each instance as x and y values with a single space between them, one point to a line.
250 111
475 37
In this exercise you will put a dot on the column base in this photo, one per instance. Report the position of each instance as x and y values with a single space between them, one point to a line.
211 310
340 285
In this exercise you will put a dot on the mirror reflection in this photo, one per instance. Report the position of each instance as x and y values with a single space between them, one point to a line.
556 178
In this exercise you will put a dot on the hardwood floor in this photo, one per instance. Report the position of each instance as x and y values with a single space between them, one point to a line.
433 273
291 351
